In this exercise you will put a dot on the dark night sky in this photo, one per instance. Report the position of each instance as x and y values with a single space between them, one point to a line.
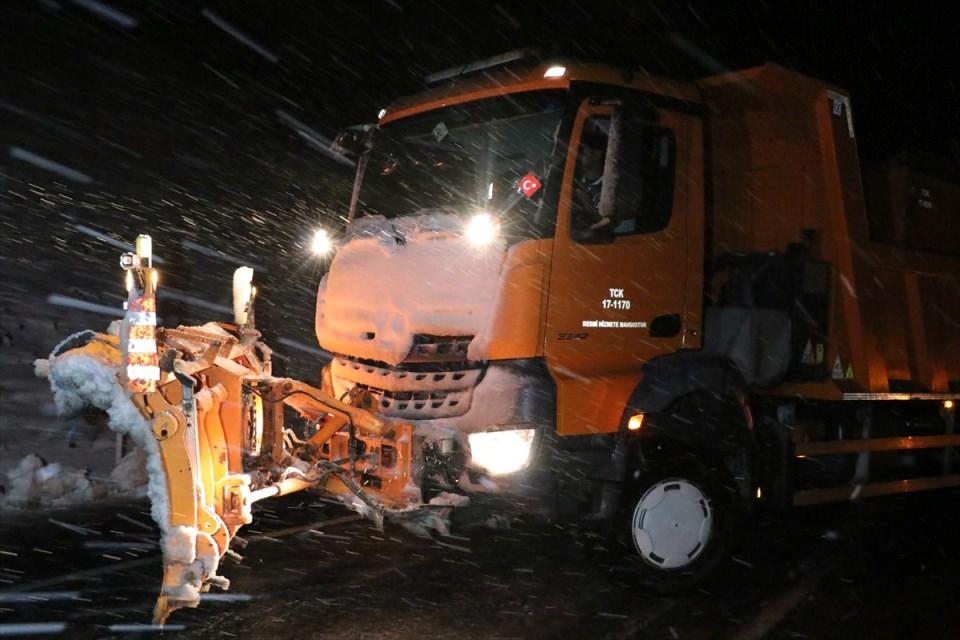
183 130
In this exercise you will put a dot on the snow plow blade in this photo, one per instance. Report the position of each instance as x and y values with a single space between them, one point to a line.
202 404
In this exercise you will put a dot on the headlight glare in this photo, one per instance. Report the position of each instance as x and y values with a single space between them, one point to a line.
502 452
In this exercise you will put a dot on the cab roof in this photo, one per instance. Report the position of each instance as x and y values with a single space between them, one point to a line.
541 76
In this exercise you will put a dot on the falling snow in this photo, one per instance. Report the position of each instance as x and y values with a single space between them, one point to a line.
209 126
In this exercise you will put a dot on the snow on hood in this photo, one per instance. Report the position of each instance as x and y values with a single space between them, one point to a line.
393 279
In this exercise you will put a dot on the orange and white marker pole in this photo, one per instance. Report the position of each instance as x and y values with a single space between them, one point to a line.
141 360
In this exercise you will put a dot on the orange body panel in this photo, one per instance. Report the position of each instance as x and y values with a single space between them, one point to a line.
659 273
518 317
230 412
784 162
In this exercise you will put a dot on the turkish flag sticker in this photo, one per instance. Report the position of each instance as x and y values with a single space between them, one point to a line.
529 184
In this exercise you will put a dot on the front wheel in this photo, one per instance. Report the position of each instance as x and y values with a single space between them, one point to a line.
676 523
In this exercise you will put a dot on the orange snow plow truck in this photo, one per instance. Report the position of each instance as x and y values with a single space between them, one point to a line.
577 290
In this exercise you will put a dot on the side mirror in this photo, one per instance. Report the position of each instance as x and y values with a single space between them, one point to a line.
353 141
638 174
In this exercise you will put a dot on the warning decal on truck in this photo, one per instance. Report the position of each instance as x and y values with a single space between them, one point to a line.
837 373
840 106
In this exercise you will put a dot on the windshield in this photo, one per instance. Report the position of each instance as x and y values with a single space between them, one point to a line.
491 155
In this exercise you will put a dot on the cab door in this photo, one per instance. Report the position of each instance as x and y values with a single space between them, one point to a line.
631 289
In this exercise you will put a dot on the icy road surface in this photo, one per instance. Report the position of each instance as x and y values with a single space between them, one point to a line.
312 570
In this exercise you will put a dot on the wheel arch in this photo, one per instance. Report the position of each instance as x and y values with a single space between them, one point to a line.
694 405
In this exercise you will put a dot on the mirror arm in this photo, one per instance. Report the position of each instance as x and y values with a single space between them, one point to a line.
357 181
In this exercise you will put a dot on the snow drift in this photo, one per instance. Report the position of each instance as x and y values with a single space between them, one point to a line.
34 483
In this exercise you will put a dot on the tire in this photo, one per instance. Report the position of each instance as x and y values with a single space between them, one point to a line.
675 523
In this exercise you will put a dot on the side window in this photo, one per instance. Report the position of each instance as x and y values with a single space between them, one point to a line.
645 199
624 178
657 163
588 177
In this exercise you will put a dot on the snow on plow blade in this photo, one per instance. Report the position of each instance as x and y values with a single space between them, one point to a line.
210 419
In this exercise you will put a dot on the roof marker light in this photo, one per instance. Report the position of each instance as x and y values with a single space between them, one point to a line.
555 72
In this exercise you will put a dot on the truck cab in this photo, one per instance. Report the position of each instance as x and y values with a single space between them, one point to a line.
472 224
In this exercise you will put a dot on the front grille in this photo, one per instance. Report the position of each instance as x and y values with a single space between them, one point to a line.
414 391
430 348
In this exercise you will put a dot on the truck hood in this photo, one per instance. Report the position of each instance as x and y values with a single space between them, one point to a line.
394 279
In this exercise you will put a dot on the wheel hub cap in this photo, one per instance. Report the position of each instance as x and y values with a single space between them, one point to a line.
671 524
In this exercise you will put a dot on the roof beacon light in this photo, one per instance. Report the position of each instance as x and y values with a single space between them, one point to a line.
480 65
555 72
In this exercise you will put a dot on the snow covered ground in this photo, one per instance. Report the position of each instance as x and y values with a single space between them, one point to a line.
47 461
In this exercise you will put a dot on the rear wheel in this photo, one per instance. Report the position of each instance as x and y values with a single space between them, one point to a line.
676 523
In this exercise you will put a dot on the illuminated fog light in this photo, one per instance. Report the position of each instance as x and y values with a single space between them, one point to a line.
555 72
948 404
635 423
482 229
501 452
321 244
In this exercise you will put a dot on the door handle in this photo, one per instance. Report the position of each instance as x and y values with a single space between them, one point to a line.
665 326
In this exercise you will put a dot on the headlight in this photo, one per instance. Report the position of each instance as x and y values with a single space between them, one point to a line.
321 244
501 452
482 229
